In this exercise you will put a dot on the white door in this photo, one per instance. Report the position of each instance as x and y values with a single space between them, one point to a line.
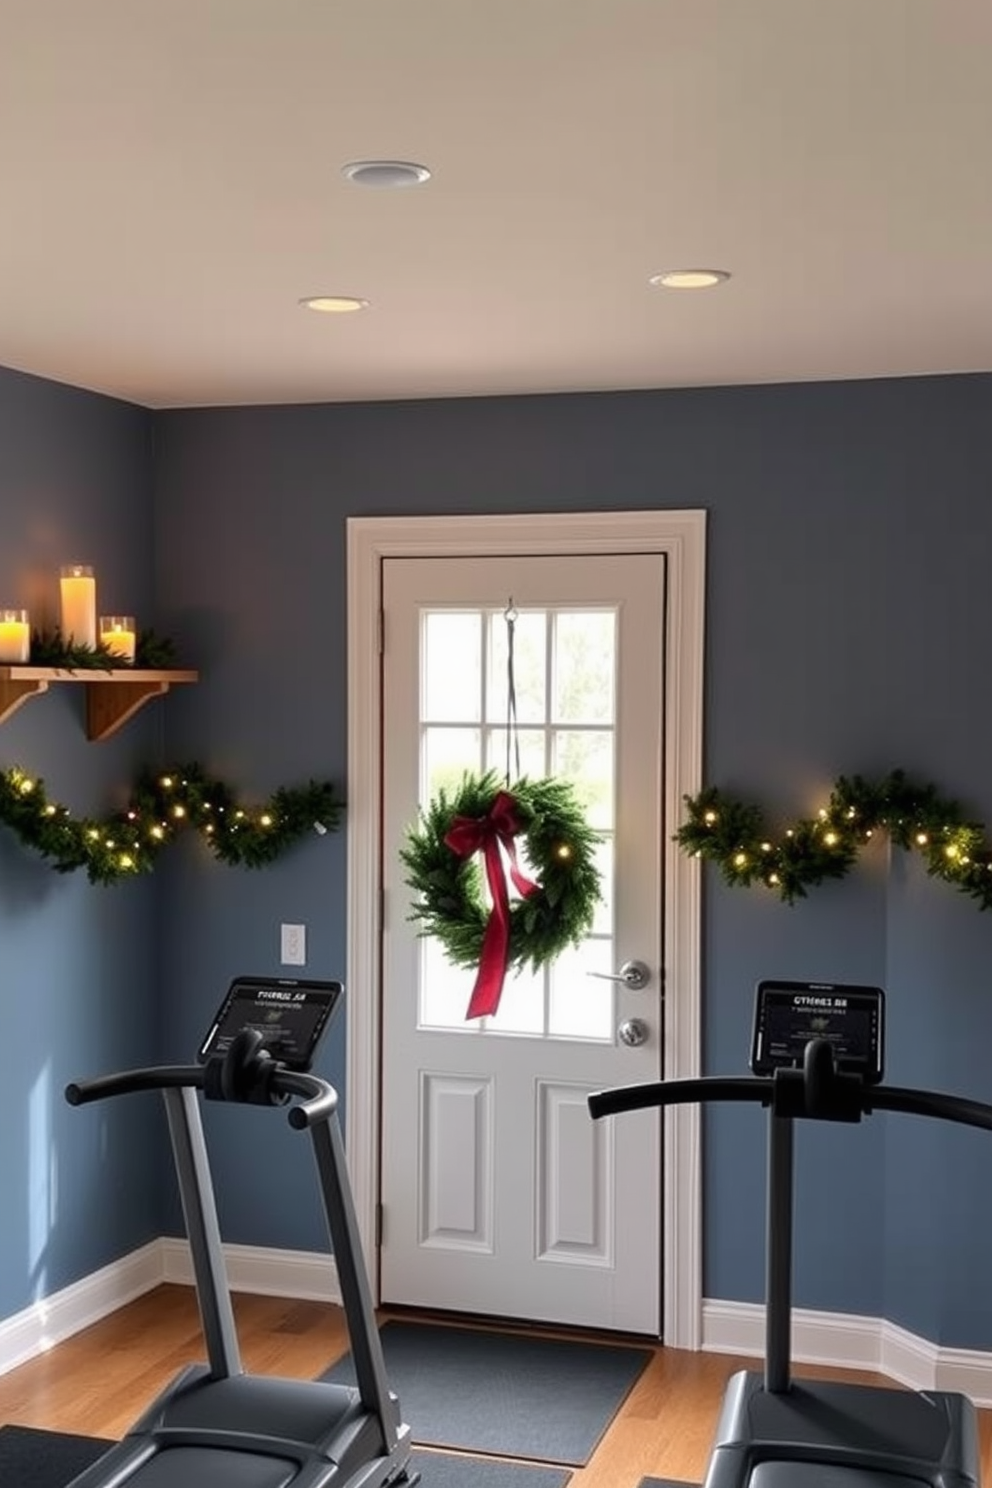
499 1194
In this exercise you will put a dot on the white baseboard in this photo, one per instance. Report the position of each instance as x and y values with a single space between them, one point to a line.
309 1276
834 1338
837 1338
852 1342
47 1322
909 1359
967 1370
306 1275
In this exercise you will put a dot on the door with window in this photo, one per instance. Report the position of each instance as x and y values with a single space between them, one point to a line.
499 1193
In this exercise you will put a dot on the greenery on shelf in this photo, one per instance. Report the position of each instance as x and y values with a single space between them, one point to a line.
50 648
154 652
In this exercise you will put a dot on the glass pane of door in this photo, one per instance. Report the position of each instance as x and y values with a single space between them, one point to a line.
564 690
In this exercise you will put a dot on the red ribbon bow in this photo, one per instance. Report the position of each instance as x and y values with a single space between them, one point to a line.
470 834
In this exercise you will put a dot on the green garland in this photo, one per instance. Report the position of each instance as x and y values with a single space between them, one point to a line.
162 806
733 835
51 649
560 846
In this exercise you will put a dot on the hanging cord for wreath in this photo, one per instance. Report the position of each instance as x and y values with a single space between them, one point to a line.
493 835
512 734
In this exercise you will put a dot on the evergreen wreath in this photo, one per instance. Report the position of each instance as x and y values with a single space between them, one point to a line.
732 834
161 807
450 900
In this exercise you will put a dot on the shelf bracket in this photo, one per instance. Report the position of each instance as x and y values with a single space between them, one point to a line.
111 697
109 705
14 691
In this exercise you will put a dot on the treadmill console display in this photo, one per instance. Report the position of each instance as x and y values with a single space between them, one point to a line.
789 1014
291 1016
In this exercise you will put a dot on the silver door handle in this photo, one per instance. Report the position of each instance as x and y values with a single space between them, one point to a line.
632 1032
634 975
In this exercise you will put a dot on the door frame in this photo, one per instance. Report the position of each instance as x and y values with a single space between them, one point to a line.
681 537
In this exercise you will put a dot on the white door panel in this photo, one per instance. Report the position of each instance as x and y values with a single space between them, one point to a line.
499 1193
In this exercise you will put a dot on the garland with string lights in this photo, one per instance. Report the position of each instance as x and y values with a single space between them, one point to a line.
732 834
161 807
485 816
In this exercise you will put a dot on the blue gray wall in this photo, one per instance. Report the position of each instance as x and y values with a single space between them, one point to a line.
77 991
850 533
849 538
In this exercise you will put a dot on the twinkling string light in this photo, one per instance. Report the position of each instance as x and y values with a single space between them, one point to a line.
732 834
164 805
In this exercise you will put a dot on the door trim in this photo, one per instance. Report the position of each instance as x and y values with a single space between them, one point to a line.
681 536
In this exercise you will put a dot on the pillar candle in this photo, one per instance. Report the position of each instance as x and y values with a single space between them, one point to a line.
118 634
15 637
78 588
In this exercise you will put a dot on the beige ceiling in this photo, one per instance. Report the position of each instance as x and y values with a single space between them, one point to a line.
170 188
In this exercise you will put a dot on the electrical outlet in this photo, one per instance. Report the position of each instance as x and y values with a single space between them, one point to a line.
293 945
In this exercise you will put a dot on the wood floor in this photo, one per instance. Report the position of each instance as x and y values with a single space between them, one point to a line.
97 1382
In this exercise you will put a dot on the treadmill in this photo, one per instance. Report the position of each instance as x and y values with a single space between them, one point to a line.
214 1426
817 1054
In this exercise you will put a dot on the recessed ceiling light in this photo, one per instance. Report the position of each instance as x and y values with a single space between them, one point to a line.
334 304
385 174
689 278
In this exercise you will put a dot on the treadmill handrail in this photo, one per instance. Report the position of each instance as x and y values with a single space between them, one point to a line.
679 1093
160 1077
319 1098
933 1103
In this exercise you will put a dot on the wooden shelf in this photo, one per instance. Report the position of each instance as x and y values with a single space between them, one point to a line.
111 697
